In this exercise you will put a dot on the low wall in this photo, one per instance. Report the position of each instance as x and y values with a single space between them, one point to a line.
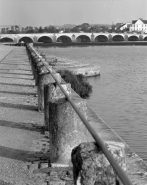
135 167
116 43
76 67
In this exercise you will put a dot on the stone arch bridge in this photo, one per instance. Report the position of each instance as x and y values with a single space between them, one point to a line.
72 37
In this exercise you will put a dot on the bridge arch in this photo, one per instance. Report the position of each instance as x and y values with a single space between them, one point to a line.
83 38
44 39
26 39
6 39
64 39
145 38
101 38
133 38
118 38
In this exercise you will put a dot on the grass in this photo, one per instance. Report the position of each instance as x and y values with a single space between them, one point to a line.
78 83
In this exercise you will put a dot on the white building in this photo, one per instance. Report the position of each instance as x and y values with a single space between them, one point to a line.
139 25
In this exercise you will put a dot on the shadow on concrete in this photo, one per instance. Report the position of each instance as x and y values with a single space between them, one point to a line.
15 64
16 78
7 72
23 85
15 69
18 93
19 106
17 154
22 126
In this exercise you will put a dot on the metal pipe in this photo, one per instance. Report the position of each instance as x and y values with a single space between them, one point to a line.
121 174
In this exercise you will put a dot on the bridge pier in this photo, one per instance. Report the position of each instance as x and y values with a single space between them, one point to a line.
126 37
54 38
92 38
110 38
34 39
140 37
73 38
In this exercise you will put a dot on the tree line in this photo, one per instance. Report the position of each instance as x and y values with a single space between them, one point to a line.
85 27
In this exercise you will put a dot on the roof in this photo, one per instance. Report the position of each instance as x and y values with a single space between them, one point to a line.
144 21
118 25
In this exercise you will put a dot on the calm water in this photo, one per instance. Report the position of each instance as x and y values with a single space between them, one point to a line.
120 93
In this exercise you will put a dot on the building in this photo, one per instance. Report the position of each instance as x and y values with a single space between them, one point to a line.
118 25
139 25
125 26
122 26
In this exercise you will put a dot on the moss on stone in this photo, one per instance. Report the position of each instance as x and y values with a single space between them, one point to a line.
78 83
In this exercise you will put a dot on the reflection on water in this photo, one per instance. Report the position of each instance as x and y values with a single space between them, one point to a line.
120 93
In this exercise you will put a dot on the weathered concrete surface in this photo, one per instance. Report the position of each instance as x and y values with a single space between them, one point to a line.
66 129
23 147
5 51
43 79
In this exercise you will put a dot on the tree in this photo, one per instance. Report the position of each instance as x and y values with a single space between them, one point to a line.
75 29
22 30
36 30
3 30
96 29
85 27
45 29
40 30
51 29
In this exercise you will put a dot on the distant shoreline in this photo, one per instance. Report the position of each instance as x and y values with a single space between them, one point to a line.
57 44
129 43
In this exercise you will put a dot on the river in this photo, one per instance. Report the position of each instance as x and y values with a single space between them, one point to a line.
119 94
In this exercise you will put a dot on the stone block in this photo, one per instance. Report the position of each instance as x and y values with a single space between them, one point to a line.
88 70
33 167
56 92
43 79
90 166
44 165
53 92
66 130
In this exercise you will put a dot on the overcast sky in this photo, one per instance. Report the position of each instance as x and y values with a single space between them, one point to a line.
58 12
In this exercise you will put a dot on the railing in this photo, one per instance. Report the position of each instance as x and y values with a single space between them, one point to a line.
121 174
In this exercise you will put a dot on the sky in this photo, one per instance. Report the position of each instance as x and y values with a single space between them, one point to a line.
59 12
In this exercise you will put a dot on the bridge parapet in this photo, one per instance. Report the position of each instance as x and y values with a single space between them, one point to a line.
74 37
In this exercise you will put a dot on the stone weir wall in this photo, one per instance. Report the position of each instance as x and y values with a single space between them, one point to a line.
76 67
71 145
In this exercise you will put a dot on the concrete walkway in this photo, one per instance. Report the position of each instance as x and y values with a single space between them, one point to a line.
24 148
22 142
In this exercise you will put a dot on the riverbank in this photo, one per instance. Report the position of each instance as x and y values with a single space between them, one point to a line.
117 43
57 44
